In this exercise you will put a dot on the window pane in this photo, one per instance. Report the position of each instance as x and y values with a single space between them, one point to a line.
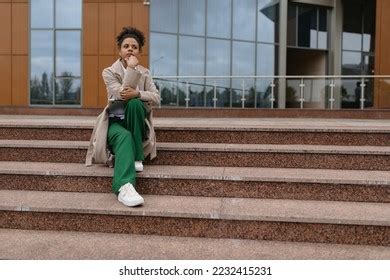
369 27
163 16
192 17
244 19
307 27
68 13
67 92
42 13
218 60
163 54
219 18
243 65
68 53
191 56
352 62
191 63
268 21
350 93
41 73
292 25
266 66
323 29
352 26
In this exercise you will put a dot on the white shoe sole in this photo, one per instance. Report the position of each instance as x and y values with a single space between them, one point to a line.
136 202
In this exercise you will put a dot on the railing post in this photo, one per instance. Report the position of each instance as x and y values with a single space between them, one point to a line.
215 95
362 99
332 99
187 99
161 99
243 94
175 93
302 99
272 99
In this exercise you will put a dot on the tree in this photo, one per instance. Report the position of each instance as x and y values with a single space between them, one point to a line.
66 85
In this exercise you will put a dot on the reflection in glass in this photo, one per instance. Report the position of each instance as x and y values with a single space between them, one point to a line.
307 26
67 91
68 13
163 16
41 73
266 66
68 53
369 26
195 90
168 92
292 93
352 26
292 25
191 63
42 13
268 21
191 56
244 19
219 18
192 17
222 94
243 61
217 61
163 54
350 93
323 29
243 58
351 63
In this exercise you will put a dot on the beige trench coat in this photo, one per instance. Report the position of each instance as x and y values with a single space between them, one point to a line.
115 80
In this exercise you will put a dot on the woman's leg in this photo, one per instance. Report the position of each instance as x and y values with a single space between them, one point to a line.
122 145
135 114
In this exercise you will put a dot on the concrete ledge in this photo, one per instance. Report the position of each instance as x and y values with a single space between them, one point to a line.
30 244
329 176
224 124
212 147
291 211
213 113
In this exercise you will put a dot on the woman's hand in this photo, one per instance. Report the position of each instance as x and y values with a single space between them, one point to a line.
129 93
131 61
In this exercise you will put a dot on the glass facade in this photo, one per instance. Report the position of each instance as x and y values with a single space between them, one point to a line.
358 51
214 38
55 54
307 26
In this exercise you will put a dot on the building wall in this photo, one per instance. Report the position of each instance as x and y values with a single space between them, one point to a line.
102 21
14 53
382 54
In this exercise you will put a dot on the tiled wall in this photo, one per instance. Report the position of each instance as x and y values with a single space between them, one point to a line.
13 53
103 20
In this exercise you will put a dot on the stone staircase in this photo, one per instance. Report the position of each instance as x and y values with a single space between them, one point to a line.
261 188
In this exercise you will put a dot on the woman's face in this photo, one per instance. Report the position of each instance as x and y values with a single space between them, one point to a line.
129 47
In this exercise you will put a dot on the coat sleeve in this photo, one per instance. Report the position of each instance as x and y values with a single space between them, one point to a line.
113 85
150 92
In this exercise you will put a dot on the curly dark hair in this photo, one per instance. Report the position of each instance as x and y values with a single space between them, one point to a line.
131 32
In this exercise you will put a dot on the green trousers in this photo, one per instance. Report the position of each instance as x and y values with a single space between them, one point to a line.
125 139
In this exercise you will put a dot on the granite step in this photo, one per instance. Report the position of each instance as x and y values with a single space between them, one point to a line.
212 130
48 245
355 223
241 182
207 154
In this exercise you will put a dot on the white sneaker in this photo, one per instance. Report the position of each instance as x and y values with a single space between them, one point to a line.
129 196
139 167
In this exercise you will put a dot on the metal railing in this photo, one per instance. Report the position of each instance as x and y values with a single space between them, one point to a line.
244 91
